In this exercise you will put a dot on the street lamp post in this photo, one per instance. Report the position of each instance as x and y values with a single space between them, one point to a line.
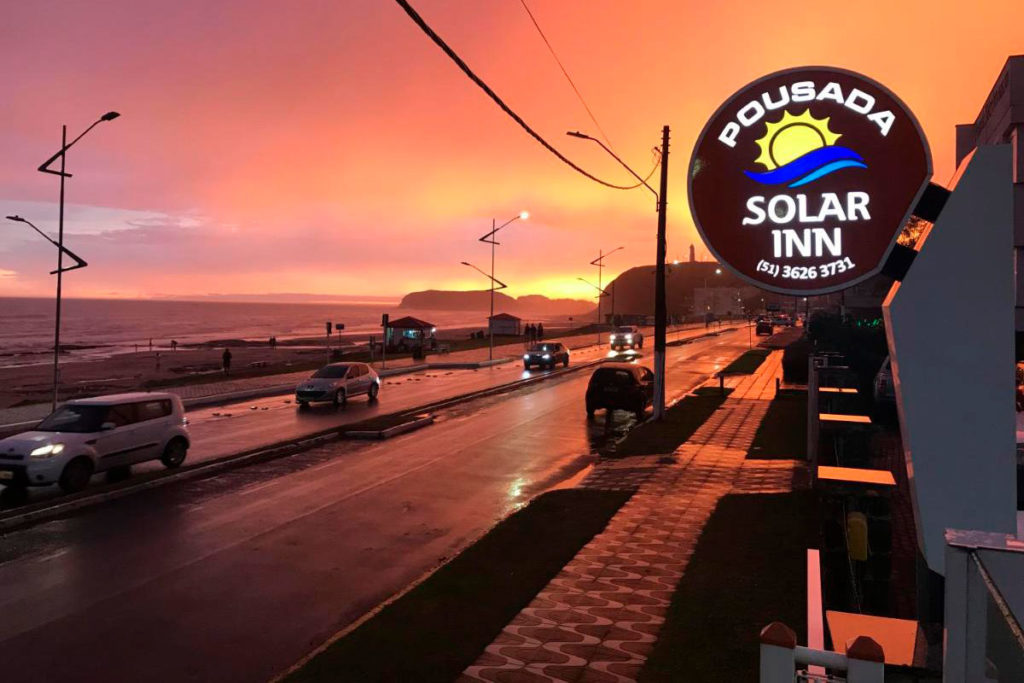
660 307
489 239
599 262
490 321
45 168
600 293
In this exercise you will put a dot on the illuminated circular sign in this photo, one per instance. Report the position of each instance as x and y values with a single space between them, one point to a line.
802 181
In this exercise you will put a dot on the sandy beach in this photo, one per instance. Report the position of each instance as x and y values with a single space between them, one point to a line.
33 383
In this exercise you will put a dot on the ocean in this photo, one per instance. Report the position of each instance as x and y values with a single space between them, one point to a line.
102 327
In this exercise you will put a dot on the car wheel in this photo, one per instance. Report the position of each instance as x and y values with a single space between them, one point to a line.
641 412
303 404
565 362
340 399
374 390
526 366
75 476
590 411
174 453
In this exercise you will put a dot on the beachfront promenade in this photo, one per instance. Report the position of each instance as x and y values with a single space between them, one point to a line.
584 348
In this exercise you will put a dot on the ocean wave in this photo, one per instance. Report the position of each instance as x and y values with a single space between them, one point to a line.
810 167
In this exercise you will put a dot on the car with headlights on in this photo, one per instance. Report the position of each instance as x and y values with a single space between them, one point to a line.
99 434
620 386
546 355
338 382
626 337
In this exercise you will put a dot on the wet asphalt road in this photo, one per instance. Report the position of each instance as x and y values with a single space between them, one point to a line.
255 423
235 577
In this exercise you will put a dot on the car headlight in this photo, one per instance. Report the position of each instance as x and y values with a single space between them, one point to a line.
629 337
47 451
546 356
526 356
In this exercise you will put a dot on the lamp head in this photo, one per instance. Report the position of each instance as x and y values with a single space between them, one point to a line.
109 116
718 271
19 219
465 264
523 215
577 134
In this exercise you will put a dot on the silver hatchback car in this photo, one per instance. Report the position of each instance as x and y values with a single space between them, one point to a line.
337 382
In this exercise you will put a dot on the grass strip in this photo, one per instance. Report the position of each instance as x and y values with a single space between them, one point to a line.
749 569
747 363
681 421
783 431
436 630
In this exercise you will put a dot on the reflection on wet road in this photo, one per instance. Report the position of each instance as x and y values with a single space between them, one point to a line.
237 576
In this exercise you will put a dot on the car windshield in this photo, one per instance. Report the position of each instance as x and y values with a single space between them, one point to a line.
615 376
331 372
624 330
79 419
542 348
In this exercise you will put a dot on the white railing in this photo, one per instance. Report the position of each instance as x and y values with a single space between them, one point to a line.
864 661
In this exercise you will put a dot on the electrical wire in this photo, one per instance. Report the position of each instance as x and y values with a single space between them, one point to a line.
558 61
497 100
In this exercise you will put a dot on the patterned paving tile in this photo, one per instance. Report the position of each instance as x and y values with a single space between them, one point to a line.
597 620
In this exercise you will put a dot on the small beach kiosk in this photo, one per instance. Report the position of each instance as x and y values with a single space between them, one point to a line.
506 323
408 333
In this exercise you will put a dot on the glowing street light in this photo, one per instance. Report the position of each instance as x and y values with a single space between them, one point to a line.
489 239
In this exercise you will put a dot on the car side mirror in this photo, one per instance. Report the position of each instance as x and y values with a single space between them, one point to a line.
107 426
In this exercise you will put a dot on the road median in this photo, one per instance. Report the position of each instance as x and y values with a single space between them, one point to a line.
34 513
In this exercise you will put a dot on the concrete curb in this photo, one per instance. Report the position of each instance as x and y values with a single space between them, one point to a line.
418 423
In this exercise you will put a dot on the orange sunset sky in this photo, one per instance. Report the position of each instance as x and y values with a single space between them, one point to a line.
329 147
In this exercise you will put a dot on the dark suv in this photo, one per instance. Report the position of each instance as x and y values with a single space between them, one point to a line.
620 386
546 355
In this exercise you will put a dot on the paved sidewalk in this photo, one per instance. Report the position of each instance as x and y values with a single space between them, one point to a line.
599 618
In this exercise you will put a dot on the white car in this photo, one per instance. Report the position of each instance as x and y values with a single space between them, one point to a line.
626 337
337 382
98 434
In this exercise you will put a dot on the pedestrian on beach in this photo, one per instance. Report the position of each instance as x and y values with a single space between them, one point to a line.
150 344
540 331
174 345
226 360
157 360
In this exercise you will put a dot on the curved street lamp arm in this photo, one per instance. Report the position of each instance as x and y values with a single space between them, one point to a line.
602 257
486 238
603 292
501 285
44 167
79 262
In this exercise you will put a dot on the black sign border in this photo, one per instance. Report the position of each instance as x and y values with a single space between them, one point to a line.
910 209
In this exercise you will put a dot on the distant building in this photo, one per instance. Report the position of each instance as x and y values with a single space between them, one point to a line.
721 301
506 323
1001 121
410 332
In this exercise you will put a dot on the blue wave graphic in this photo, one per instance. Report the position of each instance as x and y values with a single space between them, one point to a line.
810 167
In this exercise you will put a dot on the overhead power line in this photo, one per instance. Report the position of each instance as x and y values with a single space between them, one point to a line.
497 100
558 61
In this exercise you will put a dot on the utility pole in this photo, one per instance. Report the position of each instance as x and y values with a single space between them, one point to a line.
660 312
490 319
600 288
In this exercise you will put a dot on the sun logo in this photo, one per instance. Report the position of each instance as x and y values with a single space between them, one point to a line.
798 149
